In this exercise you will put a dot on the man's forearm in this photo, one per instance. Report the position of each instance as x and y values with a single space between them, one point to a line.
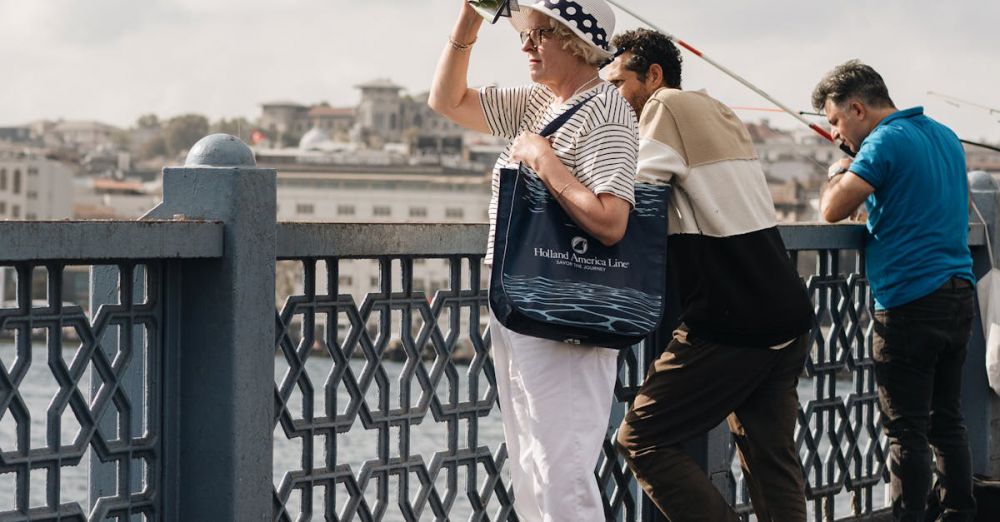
844 193
828 207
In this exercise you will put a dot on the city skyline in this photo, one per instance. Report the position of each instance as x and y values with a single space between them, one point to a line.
114 60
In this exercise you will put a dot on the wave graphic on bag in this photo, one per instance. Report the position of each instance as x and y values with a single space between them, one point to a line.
627 311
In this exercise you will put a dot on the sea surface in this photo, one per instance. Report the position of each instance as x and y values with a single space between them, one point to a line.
354 448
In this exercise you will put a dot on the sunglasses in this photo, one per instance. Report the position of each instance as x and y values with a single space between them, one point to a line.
536 35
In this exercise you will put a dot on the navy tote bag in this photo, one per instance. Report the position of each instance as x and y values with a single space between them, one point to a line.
552 279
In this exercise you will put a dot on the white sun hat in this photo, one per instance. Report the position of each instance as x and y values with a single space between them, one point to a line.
592 20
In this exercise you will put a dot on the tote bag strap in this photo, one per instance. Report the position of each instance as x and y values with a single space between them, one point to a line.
563 118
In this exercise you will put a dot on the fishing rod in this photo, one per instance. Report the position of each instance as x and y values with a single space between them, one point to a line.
819 130
955 101
951 100
503 7
816 128
759 109
810 113
982 145
772 109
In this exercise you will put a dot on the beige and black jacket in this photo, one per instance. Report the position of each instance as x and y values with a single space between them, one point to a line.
726 258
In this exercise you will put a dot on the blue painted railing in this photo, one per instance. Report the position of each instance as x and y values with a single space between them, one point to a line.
183 389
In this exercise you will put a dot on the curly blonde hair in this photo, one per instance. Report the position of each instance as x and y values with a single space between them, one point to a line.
576 45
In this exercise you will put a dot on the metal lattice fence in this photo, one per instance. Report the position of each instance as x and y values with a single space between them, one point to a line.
442 392
383 391
838 435
68 412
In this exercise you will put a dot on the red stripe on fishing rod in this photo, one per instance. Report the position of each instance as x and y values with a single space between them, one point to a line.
821 132
685 45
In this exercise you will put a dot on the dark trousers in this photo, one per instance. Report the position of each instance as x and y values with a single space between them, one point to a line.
689 390
919 350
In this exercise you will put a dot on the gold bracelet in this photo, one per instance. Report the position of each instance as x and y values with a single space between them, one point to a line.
459 46
559 192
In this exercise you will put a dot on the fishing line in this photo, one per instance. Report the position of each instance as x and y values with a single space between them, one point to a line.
784 108
812 113
956 102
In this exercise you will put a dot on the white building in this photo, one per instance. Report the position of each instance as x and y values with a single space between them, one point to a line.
381 110
383 190
34 188
85 135
383 194
105 198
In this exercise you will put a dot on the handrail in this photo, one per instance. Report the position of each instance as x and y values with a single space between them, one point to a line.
116 240
109 240
345 240
314 240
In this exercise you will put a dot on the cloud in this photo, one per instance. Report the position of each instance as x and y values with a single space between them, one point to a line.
78 22
115 59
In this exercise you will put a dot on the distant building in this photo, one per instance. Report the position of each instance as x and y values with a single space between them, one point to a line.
282 117
382 111
106 198
84 135
791 154
385 189
333 120
792 202
16 135
979 158
795 164
381 194
430 134
34 188
390 192
383 115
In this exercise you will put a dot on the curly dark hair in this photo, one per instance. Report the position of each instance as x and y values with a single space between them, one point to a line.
848 80
649 47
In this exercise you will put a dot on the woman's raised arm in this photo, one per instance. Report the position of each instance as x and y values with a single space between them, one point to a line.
450 93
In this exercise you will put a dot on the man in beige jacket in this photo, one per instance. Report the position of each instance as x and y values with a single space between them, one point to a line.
743 337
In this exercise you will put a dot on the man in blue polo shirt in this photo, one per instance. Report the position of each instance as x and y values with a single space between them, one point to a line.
909 171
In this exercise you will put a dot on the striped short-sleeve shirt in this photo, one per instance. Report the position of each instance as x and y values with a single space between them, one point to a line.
599 144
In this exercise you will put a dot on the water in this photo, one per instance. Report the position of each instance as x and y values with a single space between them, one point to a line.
354 447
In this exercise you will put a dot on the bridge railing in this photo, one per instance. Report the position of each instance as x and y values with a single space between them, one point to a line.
79 381
223 371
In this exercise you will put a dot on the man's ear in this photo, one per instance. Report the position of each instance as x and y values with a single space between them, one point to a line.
654 75
859 109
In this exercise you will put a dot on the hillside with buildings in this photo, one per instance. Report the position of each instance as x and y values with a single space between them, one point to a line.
389 158
386 158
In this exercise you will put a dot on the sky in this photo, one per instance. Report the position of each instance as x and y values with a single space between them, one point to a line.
114 60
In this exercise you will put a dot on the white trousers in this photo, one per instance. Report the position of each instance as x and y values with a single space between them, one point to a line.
555 402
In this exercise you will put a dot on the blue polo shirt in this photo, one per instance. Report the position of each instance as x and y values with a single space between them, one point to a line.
918 216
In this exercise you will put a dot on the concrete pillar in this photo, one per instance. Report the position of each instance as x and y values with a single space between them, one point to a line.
218 340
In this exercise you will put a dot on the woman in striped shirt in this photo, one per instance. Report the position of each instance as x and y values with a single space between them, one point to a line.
555 398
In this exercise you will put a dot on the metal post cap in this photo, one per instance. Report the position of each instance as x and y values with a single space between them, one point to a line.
981 181
220 150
